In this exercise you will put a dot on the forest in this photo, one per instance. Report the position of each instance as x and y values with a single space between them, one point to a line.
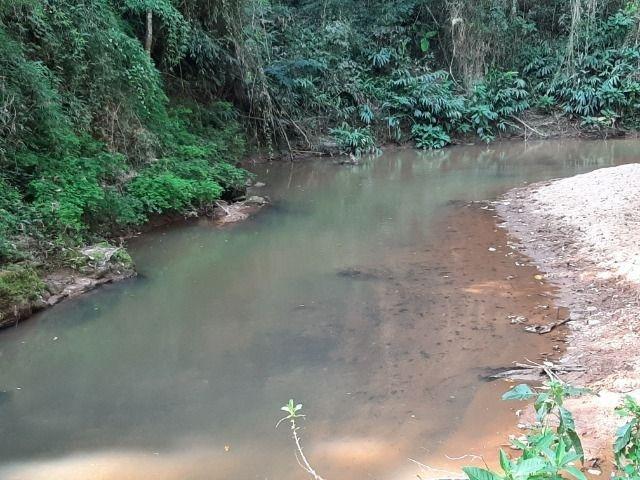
116 114
112 111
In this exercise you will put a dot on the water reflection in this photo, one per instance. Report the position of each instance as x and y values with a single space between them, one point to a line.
151 378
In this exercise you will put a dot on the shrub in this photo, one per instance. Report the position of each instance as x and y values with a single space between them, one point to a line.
357 141
18 285
626 447
430 136
11 213
495 100
548 451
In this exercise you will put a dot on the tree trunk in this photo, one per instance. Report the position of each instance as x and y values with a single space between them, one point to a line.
149 36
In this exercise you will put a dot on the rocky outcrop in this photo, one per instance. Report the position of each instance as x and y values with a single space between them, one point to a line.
94 265
225 213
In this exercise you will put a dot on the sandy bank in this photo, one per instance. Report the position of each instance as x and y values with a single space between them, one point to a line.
584 233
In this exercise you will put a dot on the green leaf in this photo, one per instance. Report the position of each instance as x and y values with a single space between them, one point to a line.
541 411
519 392
529 467
623 435
566 418
576 473
505 463
576 443
560 452
475 473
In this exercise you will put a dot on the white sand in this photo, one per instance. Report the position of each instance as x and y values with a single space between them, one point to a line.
604 208
584 233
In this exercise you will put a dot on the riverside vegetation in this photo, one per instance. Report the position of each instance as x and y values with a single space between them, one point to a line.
551 448
113 111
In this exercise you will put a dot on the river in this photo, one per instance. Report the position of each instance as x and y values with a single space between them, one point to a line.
375 295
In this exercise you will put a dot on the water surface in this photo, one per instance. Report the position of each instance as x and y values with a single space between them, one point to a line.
365 292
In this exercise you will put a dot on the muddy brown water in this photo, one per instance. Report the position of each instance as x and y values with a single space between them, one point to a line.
376 295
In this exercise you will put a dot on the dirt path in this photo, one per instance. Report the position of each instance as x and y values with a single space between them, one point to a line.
584 232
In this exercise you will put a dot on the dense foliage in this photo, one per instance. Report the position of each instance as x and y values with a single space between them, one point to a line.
430 70
90 144
115 110
552 449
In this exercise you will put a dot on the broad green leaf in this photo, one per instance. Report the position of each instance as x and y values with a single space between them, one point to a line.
566 419
505 463
544 441
576 473
570 457
519 392
529 467
576 443
475 473
560 452
623 435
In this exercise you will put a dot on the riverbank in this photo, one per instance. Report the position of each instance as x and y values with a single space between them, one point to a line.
583 232
31 286
46 272
530 126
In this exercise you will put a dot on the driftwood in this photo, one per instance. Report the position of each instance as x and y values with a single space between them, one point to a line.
542 329
529 126
532 370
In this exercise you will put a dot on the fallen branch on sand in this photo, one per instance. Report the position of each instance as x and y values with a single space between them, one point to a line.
533 370
542 329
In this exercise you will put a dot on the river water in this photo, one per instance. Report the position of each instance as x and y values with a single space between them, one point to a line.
373 294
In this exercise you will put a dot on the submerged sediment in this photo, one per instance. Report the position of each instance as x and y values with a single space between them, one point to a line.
583 233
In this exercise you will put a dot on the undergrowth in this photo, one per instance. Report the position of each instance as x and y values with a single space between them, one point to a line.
551 449
105 122
90 145
19 284
429 71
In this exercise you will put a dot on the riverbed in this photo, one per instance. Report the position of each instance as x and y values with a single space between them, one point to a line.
378 295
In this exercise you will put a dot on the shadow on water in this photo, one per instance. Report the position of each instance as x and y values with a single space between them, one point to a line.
374 294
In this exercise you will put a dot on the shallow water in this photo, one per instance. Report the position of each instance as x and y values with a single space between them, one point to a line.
368 293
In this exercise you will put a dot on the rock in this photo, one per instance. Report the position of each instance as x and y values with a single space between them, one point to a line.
259 185
54 287
256 200
517 319
92 266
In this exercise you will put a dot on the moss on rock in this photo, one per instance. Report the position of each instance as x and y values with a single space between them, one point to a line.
19 285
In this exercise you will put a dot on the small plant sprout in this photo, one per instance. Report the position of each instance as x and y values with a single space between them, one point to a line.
292 409
294 412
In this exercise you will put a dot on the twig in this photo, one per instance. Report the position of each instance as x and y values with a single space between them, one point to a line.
304 463
469 455
532 368
542 329
226 210
454 476
528 126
